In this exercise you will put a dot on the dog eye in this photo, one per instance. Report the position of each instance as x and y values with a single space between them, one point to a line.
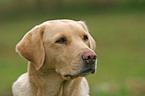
85 37
61 40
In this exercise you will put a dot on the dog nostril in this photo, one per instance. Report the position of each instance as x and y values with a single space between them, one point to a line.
95 57
89 57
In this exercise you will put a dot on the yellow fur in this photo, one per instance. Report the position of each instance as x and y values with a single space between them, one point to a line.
49 62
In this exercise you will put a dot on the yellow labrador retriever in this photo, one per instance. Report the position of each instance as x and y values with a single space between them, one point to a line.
60 54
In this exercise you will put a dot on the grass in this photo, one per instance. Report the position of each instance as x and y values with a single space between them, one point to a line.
120 47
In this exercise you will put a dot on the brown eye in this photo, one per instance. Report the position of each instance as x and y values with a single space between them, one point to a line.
85 37
61 40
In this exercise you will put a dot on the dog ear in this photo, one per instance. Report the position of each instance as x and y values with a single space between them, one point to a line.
92 43
31 46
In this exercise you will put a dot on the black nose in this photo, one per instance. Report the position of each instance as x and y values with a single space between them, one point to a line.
89 57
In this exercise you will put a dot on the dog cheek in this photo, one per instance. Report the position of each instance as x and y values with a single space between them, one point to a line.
50 61
77 65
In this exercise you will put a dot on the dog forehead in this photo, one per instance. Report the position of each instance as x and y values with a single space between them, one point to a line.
57 28
63 26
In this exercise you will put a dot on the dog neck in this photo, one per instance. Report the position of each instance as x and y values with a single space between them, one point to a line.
44 83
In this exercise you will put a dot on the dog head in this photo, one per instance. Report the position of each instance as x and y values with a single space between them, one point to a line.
61 45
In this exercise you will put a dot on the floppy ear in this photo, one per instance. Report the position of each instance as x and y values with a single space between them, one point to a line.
31 46
92 43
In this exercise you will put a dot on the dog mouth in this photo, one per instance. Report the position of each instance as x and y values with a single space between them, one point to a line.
87 71
82 73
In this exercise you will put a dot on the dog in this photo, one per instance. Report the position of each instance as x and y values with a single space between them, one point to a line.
60 54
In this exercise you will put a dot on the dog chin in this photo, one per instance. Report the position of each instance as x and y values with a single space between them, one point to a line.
80 74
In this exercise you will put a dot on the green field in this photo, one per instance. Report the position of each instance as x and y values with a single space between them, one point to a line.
120 46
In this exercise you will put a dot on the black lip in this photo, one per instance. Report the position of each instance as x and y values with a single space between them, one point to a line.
93 71
82 73
87 70
67 75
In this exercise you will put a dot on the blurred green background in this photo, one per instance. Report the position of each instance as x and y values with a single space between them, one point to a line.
118 26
